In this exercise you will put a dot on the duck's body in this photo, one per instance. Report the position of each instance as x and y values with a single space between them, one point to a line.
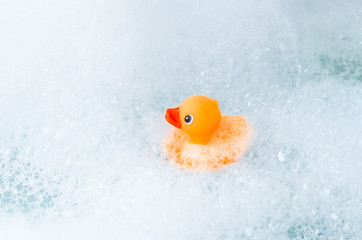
228 143
209 141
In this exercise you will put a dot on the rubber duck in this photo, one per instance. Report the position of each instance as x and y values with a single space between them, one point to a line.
203 139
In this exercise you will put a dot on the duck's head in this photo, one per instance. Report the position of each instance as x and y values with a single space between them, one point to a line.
199 116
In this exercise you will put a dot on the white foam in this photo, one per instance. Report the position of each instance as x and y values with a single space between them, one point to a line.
83 90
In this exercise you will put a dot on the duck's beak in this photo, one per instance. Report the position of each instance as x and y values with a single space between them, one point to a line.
173 116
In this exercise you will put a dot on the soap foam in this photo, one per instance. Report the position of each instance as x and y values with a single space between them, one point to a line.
84 86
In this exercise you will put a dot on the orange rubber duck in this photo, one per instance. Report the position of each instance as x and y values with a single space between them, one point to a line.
204 139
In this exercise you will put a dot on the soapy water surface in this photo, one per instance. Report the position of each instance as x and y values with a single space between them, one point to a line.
83 90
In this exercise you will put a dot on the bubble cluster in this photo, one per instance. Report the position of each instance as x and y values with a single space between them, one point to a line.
23 187
344 68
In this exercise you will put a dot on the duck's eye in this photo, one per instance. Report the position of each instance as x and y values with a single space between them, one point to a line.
189 119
